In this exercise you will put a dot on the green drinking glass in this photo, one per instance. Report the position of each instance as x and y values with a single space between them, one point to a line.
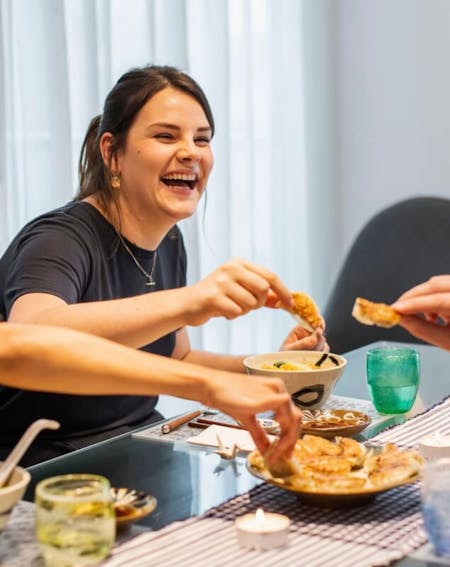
393 375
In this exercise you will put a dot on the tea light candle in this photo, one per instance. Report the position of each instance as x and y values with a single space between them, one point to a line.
435 446
262 530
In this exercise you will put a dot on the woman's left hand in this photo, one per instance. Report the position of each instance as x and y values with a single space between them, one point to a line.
301 339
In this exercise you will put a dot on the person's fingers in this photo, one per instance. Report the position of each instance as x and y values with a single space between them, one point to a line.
276 285
303 344
301 339
322 345
433 304
263 285
437 335
244 299
298 333
259 436
290 419
436 284
272 300
415 291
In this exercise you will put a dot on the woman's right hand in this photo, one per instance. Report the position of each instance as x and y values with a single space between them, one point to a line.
231 290
243 397
425 311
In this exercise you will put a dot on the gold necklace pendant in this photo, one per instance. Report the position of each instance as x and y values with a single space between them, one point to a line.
150 282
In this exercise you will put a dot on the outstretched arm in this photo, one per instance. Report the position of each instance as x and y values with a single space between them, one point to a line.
48 359
232 290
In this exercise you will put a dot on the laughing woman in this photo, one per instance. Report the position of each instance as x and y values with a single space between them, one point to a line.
113 263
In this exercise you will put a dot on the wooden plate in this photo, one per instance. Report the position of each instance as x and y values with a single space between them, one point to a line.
348 498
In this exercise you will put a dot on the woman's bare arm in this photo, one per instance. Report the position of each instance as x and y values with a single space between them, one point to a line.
61 360
233 289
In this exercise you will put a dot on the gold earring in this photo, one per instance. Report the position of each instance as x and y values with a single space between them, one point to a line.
115 181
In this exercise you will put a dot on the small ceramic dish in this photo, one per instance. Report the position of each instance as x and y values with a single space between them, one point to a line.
131 505
329 423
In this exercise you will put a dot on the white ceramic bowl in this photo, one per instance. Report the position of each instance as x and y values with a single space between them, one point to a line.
12 493
309 388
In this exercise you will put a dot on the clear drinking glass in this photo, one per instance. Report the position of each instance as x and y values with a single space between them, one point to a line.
393 378
75 520
436 504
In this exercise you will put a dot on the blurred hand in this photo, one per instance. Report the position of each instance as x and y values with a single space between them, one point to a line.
425 311
243 397
301 339
233 289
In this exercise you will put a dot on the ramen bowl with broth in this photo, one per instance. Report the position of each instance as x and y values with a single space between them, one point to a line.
310 376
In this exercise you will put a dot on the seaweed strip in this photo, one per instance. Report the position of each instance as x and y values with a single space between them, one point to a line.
322 359
333 359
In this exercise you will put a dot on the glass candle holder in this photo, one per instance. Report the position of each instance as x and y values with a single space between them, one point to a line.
75 520
393 375
262 530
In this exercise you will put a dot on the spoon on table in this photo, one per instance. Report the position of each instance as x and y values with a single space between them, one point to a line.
7 467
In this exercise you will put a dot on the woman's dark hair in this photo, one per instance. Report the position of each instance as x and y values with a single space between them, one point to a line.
128 96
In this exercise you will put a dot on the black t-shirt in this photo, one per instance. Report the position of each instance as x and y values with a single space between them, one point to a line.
74 253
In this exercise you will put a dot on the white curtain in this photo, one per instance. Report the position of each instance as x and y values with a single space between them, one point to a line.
59 59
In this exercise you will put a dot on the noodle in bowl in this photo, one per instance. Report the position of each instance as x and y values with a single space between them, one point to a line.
310 376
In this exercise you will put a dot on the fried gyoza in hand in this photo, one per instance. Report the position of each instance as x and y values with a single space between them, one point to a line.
370 313
281 468
305 310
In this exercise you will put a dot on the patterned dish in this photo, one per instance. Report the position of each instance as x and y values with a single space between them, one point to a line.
329 423
131 505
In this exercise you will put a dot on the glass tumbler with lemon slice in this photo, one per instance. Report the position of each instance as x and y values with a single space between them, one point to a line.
75 520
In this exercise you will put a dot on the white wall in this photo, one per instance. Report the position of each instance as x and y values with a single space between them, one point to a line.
392 106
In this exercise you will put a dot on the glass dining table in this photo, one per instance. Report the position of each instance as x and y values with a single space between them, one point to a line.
188 480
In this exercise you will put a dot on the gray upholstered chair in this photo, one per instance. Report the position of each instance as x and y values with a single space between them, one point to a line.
403 245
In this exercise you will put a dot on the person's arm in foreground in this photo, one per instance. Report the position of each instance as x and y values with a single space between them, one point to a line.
65 361
425 311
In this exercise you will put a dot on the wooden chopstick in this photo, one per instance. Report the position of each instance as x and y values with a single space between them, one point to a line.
215 422
171 425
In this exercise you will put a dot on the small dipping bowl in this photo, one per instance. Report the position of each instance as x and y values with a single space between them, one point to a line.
434 446
262 530
12 493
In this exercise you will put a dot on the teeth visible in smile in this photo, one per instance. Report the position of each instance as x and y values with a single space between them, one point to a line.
180 180
181 176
